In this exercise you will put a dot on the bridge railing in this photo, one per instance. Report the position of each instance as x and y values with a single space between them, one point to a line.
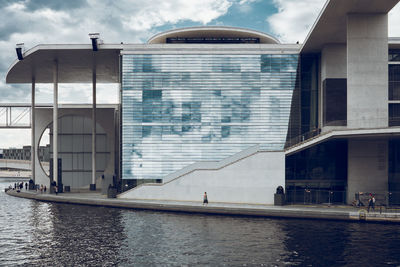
15 116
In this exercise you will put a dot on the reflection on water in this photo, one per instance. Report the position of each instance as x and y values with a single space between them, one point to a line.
39 233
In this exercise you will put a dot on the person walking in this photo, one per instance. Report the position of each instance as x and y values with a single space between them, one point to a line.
205 199
371 202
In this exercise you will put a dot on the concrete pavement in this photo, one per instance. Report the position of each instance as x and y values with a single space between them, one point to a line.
289 211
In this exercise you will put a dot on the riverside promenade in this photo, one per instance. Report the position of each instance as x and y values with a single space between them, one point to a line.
347 213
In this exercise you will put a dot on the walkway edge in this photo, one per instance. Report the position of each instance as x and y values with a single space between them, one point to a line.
263 211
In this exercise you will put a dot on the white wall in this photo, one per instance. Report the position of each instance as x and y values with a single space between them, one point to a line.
250 180
367 167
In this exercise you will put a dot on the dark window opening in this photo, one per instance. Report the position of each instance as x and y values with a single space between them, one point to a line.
394 115
335 102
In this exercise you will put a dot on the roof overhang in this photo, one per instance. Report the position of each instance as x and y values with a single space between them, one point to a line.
75 64
331 24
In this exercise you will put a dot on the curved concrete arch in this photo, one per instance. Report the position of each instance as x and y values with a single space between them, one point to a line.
44 119
212 31
37 153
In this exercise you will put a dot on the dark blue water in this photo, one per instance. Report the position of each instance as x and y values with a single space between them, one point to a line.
47 234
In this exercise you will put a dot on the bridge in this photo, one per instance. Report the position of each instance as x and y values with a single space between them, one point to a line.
19 164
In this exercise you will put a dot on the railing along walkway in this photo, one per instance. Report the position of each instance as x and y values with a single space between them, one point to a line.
340 127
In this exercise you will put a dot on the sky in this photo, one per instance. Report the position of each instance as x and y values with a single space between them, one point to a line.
34 22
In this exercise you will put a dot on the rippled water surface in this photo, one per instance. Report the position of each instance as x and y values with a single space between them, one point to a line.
47 234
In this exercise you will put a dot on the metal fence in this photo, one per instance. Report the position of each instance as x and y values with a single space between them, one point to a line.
315 196
387 200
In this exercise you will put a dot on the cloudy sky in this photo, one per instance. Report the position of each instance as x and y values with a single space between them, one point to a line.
133 21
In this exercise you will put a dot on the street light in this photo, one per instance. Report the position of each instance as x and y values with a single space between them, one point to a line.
20 49
95 40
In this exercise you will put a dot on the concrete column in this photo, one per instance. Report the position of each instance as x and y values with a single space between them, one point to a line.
367 70
367 167
33 145
55 121
93 184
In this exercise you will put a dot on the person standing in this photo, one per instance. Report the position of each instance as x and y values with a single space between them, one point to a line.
373 202
205 199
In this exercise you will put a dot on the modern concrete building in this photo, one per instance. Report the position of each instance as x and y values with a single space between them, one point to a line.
230 111
24 153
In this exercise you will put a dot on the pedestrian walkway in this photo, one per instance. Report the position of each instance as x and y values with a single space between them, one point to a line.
289 211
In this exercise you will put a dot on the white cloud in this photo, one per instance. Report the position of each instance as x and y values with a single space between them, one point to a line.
294 18
245 6
14 137
159 12
58 21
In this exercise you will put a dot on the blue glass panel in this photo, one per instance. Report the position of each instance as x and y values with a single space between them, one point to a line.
181 109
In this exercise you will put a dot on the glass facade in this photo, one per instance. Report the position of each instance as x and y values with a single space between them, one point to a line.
394 54
394 87
309 92
394 82
320 171
304 109
394 171
181 109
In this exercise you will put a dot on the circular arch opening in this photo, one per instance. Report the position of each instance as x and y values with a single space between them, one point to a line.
74 149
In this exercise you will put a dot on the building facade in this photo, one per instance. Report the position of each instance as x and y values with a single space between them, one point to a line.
24 153
182 109
236 113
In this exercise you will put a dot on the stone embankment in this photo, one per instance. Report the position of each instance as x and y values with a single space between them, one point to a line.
345 213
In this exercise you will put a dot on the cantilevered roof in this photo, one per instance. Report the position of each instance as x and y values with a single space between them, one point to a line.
74 64
331 24
212 32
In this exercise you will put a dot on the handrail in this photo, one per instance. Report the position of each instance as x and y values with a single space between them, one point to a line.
377 123
203 165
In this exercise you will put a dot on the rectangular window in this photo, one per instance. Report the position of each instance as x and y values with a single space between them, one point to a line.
394 82
394 54
335 102
394 115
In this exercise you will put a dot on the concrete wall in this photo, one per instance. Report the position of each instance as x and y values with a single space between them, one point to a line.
367 70
250 180
367 167
105 119
333 61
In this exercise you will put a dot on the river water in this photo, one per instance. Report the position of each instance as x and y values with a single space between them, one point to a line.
36 233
